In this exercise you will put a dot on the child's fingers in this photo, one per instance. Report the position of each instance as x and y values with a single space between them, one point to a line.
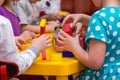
44 36
33 35
60 42
19 46
48 41
67 18
22 41
54 17
47 37
61 37
78 30
49 45
75 21
64 34
57 16
79 26
57 22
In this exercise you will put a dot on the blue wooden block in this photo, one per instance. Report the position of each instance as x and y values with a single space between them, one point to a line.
67 54
61 20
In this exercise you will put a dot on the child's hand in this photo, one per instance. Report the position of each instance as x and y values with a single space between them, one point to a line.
27 35
41 42
78 28
74 18
51 26
19 41
68 42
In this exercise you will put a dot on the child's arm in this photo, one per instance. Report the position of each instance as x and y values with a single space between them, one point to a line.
35 28
32 28
51 17
75 18
27 35
10 52
93 58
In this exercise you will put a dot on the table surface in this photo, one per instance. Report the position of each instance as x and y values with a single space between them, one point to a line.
55 64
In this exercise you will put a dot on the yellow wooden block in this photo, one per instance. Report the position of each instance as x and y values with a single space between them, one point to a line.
43 23
63 13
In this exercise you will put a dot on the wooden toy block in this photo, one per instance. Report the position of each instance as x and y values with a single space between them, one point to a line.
67 29
42 26
63 13
43 23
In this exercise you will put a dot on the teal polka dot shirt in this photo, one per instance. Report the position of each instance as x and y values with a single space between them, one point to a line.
104 26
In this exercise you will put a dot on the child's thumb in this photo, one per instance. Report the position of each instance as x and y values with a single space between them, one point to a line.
77 36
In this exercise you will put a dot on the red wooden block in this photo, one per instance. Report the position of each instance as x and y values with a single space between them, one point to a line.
67 29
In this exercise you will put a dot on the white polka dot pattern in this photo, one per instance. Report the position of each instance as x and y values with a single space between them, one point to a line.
112 10
104 26
118 70
112 19
104 23
118 24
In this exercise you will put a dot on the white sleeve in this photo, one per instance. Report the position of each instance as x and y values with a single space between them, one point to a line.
21 12
24 60
39 6
8 49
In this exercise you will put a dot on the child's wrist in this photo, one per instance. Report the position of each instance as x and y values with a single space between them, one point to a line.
34 49
47 29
